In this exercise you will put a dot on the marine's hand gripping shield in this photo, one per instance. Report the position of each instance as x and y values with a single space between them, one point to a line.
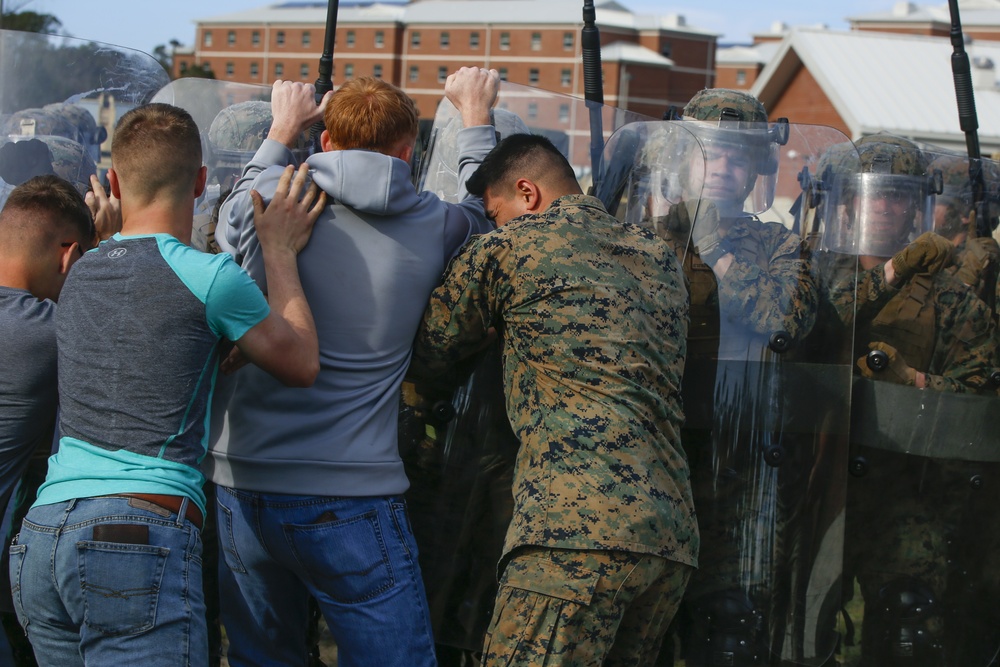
766 403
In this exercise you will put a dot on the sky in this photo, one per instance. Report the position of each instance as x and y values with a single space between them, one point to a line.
142 24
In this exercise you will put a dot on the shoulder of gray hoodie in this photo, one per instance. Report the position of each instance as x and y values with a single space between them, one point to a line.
365 182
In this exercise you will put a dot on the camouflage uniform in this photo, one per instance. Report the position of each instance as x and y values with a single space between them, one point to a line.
732 373
593 315
901 512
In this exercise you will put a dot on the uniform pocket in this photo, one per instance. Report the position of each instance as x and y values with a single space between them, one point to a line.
121 585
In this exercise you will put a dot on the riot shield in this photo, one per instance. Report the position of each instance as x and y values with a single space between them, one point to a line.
925 471
766 384
457 445
562 118
233 119
59 101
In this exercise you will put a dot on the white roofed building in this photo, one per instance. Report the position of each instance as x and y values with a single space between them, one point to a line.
865 82
649 62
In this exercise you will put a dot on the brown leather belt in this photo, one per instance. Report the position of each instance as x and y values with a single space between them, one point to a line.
171 504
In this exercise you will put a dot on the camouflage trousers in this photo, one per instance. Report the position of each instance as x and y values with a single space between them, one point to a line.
591 608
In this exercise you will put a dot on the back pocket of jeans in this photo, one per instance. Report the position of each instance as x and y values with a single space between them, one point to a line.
347 558
121 586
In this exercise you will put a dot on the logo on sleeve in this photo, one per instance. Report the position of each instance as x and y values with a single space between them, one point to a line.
117 252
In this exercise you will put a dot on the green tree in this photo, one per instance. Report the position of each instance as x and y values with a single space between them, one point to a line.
30 22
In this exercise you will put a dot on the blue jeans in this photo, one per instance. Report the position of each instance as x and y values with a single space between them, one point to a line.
356 556
100 582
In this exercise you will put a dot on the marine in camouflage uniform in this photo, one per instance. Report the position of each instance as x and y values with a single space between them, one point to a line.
593 319
902 531
751 285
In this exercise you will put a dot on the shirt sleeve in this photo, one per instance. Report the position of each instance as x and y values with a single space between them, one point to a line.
234 303
462 309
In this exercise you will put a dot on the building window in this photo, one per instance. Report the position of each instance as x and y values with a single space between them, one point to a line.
231 38
533 76
445 40
279 70
377 71
206 65
536 41
473 40
442 74
350 39
563 113
306 38
230 69
280 38
505 40
415 39
666 49
349 71
414 72
379 39
567 41
206 39
741 77
304 71
184 66
566 78
503 73
255 38
532 110
253 70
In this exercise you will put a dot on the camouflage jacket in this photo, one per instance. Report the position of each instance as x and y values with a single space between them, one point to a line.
593 315
767 289
936 322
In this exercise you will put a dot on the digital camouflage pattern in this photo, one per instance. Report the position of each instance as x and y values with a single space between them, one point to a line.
70 160
768 288
709 103
38 121
593 315
583 608
237 132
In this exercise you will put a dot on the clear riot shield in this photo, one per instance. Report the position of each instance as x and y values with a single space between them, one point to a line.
562 118
59 101
922 527
234 119
766 384
458 446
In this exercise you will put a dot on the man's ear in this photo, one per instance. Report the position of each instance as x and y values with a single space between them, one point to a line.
529 194
199 183
324 141
67 255
113 181
405 153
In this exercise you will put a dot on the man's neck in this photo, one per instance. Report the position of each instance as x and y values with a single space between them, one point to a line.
175 219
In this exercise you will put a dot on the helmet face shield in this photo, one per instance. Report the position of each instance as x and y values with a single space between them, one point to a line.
877 214
737 164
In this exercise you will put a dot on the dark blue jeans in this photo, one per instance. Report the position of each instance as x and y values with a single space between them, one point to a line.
356 556
100 582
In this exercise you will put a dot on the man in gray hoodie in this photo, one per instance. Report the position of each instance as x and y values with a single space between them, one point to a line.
310 497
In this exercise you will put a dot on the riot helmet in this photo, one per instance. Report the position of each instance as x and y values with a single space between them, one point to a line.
879 195
88 132
737 164
235 135
23 157
31 122
954 204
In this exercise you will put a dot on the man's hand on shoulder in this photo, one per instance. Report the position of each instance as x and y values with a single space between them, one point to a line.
294 110
286 224
473 90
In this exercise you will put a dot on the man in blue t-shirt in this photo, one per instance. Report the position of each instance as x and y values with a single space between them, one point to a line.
106 568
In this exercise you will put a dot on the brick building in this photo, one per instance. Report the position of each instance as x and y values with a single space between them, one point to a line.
649 62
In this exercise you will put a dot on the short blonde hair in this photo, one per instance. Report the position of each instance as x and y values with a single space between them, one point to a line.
157 151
